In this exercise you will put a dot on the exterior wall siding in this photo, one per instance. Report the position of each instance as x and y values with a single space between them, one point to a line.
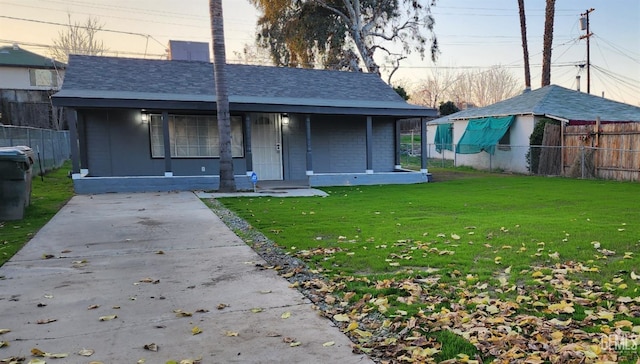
18 78
294 139
383 145
338 144
118 144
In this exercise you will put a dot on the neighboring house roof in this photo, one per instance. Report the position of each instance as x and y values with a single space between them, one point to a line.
556 102
14 56
126 82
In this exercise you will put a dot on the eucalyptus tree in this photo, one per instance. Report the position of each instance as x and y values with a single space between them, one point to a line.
346 34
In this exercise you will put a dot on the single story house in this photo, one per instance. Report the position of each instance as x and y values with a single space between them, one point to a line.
27 80
150 125
497 136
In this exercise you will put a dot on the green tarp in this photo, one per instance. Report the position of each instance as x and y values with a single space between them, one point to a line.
483 134
444 137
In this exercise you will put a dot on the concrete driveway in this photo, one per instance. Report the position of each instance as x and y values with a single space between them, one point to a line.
142 263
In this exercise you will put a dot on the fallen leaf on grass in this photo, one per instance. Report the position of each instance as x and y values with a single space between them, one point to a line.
151 347
46 321
562 307
108 317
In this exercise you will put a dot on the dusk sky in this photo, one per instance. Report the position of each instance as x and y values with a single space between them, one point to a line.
472 35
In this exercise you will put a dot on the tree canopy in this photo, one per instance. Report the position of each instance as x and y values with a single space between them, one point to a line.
345 34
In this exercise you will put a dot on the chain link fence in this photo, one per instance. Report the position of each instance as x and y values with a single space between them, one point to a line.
568 161
51 148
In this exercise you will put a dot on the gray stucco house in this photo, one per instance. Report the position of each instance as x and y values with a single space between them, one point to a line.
150 125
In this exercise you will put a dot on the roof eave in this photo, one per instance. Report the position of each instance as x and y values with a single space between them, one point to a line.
84 103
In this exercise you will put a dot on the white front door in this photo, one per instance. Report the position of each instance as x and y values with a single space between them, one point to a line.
266 145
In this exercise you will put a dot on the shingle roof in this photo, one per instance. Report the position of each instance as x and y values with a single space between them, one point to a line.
14 56
554 101
140 79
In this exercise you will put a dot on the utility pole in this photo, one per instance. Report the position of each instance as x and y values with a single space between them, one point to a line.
584 25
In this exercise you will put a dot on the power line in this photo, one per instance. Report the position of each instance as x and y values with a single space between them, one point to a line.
107 51
81 26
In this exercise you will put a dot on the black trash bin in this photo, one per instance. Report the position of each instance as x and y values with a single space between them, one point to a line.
29 152
15 183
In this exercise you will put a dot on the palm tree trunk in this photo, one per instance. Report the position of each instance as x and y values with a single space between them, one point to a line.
227 180
525 47
547 42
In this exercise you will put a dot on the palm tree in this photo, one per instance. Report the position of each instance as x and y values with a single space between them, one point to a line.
525 47
547 42
227 180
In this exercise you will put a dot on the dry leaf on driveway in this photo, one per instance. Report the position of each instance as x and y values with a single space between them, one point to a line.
46 321
151 347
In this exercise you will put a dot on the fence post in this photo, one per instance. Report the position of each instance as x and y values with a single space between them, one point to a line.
582 161
455 156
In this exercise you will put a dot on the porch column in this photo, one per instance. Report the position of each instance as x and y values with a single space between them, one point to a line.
309 155
73 140
398 145
167 145
369 142
81 124
248 155
423 145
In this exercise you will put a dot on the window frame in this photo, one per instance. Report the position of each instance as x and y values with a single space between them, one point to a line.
193 136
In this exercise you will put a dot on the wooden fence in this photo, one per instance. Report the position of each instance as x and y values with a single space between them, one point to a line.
607 151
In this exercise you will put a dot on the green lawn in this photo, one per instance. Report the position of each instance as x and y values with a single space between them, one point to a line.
47 198
524 268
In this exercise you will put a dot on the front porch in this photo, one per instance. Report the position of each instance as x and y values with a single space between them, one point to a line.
85 185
